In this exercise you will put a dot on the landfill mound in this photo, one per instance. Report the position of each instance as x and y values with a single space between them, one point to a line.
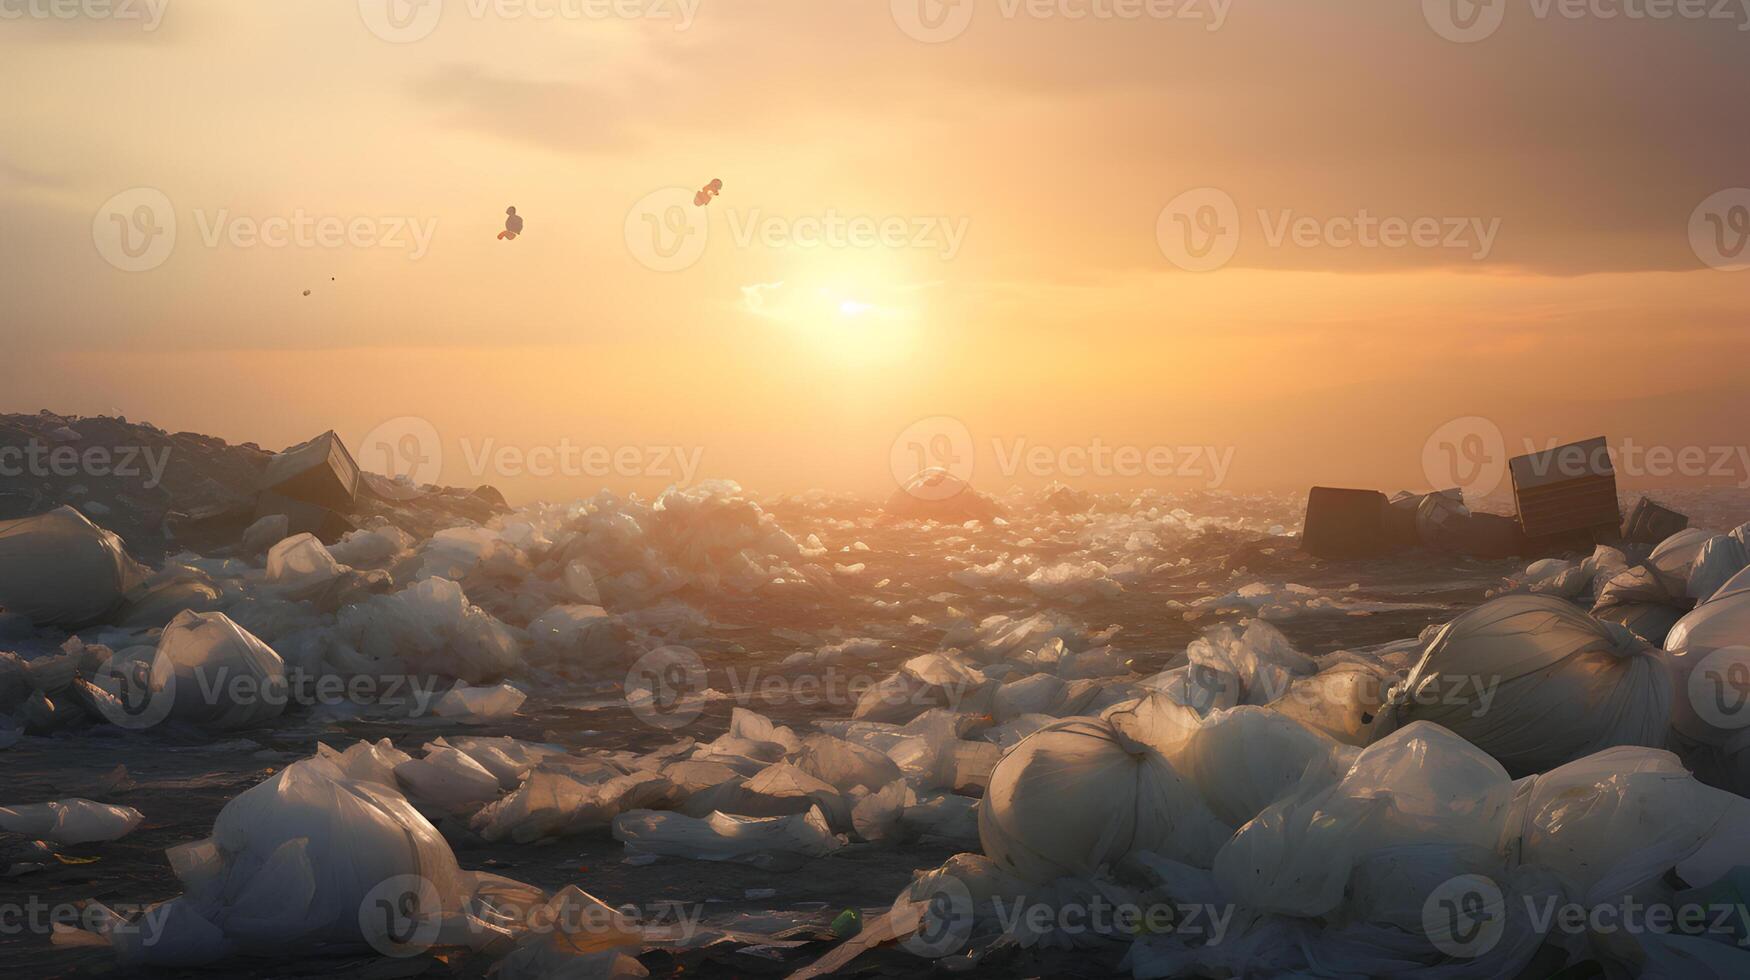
713 732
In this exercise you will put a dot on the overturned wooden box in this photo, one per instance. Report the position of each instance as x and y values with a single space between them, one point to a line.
1566 489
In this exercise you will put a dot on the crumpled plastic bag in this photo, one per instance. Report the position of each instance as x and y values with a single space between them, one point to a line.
1612 822
772 843
1536 683
300 566
1421 784
429 627
845 766
73 821
587 938
558 800
59 569
1709 654
225 677
479 705
295 864
1083 793
447 779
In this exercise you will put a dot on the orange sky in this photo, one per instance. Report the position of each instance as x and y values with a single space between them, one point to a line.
1029 289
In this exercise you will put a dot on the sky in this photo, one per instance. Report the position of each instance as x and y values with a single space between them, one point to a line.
1121 243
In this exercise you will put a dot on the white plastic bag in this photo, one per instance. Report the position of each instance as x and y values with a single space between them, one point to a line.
306 859
1082 794
1709 654
1536 683
59 569
1419 785
226 678
479 705
70 821
301 566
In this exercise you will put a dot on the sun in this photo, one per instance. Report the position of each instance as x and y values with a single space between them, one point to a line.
856 307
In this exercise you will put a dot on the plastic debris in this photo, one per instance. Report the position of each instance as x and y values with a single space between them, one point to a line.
1536 683
773 843
513 225
59 569
478 705
70 821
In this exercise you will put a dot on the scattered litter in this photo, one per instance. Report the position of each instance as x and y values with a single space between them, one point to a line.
70 821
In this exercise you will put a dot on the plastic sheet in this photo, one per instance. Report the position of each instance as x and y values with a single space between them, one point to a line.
773 843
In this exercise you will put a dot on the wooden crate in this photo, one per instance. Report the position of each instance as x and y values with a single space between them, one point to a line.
1566 489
